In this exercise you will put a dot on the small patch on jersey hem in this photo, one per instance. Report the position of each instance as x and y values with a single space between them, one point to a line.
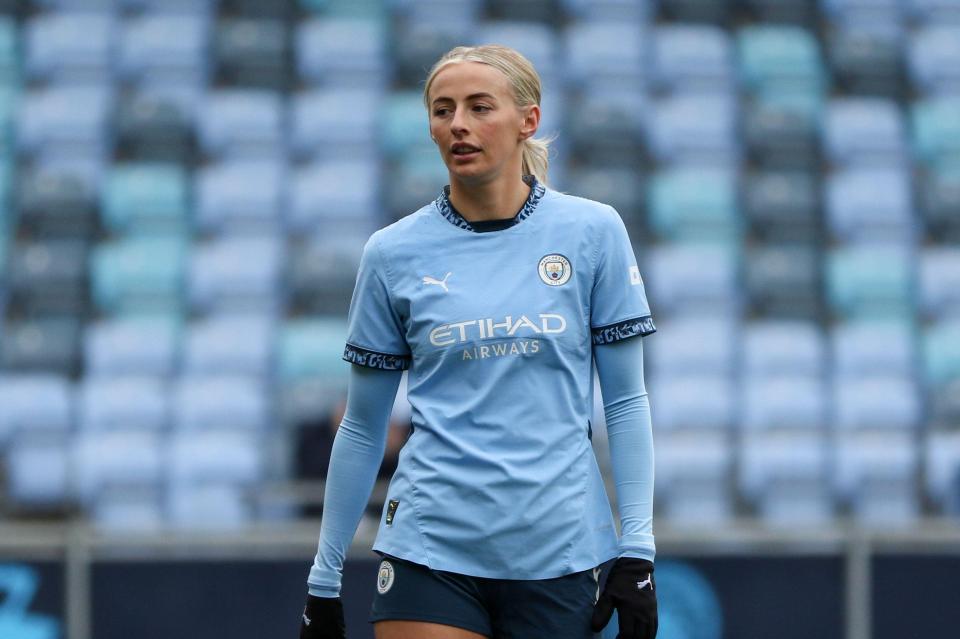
642 326
373 359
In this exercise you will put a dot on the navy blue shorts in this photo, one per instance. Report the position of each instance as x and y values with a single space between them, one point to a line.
558 608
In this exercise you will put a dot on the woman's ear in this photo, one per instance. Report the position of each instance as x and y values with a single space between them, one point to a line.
530 122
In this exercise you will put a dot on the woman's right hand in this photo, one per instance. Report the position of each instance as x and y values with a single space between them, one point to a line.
322 619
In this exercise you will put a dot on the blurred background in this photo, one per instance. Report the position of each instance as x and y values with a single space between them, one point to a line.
185 189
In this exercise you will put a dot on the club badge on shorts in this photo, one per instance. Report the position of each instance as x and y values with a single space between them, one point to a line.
385 577
555 269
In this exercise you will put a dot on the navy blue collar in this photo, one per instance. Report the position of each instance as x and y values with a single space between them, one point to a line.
446 209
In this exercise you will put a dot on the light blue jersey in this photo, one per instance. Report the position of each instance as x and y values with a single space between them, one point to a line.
498 478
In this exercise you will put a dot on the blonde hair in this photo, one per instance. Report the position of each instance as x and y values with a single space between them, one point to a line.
526 91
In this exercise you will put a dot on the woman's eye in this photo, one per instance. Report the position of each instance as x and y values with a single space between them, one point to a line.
481 107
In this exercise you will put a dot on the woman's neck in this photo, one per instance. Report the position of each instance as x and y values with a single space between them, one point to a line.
496 200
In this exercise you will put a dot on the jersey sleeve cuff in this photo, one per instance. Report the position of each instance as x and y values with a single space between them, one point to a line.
610 333
374 359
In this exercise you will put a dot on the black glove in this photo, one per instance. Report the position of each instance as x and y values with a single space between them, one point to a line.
322 619
631 590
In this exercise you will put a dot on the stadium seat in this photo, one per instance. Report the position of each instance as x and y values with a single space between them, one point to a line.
34 402
146 197
122 404
621 188
164 49
941 352
418 45
321 273
405 125
199 7
414 181
784 280
58 200
38 471
940 204
609 130
782 205
939 276
716 12
874 476
318 200
369 9
236 274
861 348
65 120
138 274
214 505
219 402
694 204
784 402
121 458
685 278
856 407
692 58
229 345
934 58
779 57
123 508
252 53
48 277
867 61
934 11
694 345
936 129
545 12
241 123
239 195
537 42
233 457
605 52
336 124
10 61
42 345
280 9
695 402
692 475
312 348
864 13
783 475
783 132
869 280
794 12
870 205
865 131
783 347
155 124
135 346
942 470
69 47
686 129
341 52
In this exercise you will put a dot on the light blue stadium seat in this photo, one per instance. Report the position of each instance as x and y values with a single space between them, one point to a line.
934 59
856 405
70 120
692 475
69 47
368 9
318 199
122 403
128 508
147 346
610 128
145 197
230 345
691 402
213 505
783 347
538 43
861 348
874 474
34 402
200 7
138 274
936 129
341 52
941 352
870 204
165 49
784 402
865 131
694 204
239 195
416 181
339 124
405 125
694 345
615 10
605 52
934 11
939 275
220 402
870 280
445 14
784 476
779 56
942 470
221 456
694 129
313 348
9 53
692 58
236 274
242 123
685 277
872 14
114 459
38 469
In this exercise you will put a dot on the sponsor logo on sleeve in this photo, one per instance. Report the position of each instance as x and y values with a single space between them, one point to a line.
635 279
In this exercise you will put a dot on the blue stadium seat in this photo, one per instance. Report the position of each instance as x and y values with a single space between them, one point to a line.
687 277
34 402
609 129
865 131
934 11
621 188
463 14
229 345
242 123
215 505
783 475
605 52
862 348
782 129
58 198
694 204
369 9
322 271
70 47
718 12
318 199
38 470
692 477
942 470
9 53
784 402
222 402
236 274
870 204
618 10
936 129
222 456
46 344
867 61
941 352
138 274
870 280
694 345
692 58
934 57
339 124
687 128
312 348
413 181
155 122
65 120
341 52
252 52
122 403
695 402
940 203
199 7
121 458
146 197
168 49
405 125
874 476
418 44
856 406
784 280
48 277
783 347
783 205
128 508
939 276
779 57
135 346
239 195
538 43
863 13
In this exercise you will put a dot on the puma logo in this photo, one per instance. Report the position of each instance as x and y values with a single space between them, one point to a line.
442 283
646 582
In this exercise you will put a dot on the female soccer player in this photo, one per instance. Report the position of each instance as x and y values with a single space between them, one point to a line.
497 297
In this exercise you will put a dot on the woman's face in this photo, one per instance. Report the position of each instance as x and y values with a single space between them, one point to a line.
476 123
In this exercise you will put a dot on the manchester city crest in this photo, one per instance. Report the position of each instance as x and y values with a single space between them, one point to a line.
385 577
555 269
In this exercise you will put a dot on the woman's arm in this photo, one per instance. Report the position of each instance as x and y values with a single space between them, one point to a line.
630 433
354 461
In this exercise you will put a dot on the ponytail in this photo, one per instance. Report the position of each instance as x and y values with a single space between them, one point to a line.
536 158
